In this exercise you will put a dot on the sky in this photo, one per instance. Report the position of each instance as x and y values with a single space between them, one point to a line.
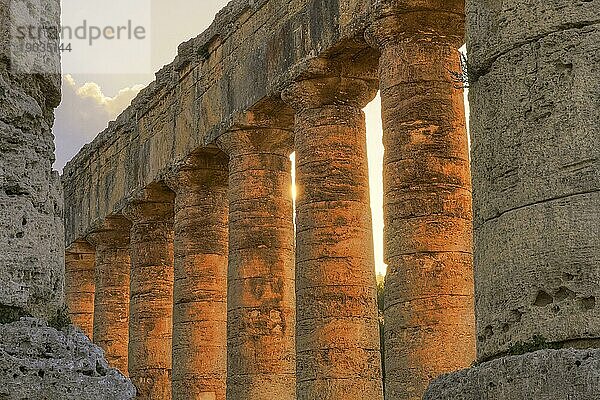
92 99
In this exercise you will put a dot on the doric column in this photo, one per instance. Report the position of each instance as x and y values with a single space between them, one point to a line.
338 355
111 308
260 302
534 94
536 174
151 306
80 260
429 318
200 290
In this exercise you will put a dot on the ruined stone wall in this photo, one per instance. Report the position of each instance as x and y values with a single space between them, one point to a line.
31 228
250 51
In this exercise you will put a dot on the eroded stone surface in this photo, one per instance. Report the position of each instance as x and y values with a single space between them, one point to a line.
546 374
31 228
151 294
38 362
536 169
261 298
200 286
429 321
80 269
337 337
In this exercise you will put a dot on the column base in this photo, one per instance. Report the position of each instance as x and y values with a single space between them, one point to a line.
546 374
38 362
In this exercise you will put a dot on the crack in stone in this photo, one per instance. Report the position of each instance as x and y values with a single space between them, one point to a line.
487 66
501 214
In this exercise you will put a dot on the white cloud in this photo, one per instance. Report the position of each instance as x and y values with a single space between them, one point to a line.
84 112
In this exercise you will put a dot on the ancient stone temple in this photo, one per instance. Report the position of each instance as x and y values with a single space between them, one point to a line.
41 357
188 193
188 264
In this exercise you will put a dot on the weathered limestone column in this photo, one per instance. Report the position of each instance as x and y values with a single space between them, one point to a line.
200 289
338 355
534 96
151 304
536 164
32 249
80 265
42 356
111 308
260 302
429 321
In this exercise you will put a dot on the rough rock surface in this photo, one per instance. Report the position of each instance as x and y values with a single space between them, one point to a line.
31 227
545 374
38 362
536 172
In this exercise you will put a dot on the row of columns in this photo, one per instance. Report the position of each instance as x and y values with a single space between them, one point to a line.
226 302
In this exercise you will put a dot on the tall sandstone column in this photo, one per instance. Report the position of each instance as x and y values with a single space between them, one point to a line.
80 265
429 321
260 303
111 308
200 288
151 304
535 106
338 355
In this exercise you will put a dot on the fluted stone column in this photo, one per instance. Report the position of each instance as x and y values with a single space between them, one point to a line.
80 261
260 303
429 319
338 354
151 306
111 307
200 289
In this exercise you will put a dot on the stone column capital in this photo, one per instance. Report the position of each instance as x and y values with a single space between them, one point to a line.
154 204
204 168
253 140
148 211
113 233
323 91
396 21
80 247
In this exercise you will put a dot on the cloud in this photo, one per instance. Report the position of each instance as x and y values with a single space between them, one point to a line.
84 112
